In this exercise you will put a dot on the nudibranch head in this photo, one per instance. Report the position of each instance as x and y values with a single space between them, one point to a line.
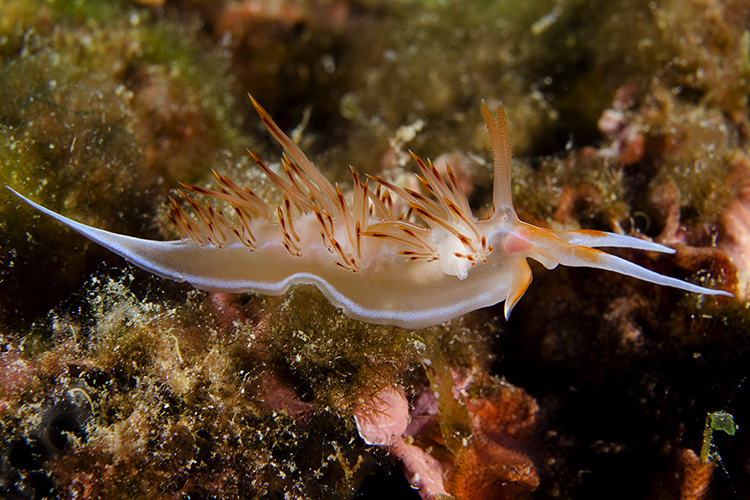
427 264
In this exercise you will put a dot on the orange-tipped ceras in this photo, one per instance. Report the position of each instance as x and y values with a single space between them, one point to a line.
378 264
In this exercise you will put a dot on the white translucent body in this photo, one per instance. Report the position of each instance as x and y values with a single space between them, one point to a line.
386 287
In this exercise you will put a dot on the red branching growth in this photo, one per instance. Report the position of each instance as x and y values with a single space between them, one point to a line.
495 464
696 476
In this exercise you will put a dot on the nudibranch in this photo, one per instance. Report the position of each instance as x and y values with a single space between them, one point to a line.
413 268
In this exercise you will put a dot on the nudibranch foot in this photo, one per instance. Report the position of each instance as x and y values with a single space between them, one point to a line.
417 267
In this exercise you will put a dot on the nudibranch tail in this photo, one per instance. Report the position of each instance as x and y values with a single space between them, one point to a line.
153 256
414 267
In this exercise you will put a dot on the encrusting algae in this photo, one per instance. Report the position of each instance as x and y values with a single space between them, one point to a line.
201 398
379 266
108 104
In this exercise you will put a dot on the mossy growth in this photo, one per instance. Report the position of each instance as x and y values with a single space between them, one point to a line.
336 362
94 108
104 107
556 66
455 425
715 421
203 394
591 188
695 149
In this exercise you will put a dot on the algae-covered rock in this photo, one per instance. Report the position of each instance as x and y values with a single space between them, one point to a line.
626 116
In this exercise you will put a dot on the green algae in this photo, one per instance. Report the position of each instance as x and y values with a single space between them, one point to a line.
337 361
556 78
700 171
595 187
170 411
254 396
454 417
110 94
716 421
133 100
98 118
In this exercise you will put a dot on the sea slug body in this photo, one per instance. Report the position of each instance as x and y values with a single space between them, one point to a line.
414 270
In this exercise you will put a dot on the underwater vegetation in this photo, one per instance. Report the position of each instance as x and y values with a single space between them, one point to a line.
628 117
